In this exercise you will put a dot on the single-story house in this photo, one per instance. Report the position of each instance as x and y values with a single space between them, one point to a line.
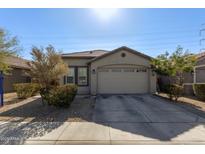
17 73
120 71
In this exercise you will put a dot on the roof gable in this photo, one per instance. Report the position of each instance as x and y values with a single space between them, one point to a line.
201 55
120 49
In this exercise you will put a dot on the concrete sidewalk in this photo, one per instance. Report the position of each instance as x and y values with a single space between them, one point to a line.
92 133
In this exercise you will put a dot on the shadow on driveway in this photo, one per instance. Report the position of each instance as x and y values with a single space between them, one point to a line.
137 117
133 116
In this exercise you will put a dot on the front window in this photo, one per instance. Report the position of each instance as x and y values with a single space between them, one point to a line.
82 76
77 75
71 75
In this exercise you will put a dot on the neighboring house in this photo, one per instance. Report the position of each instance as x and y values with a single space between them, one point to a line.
200 69
120 71
17 74
198 76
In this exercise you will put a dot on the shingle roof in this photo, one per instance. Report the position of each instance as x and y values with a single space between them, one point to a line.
85 54
17 62
200 55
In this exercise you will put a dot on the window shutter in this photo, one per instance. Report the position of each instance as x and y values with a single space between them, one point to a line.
64 79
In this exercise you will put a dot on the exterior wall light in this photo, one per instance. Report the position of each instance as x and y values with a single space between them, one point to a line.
153 73
123 55
93 71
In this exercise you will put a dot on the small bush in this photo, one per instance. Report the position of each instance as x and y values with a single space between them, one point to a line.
165 88
174 91
61 96
199 90
25 90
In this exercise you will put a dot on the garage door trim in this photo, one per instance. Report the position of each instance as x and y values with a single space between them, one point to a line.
142 88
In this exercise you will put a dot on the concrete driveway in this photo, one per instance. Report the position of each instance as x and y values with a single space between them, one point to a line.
115 119
147 119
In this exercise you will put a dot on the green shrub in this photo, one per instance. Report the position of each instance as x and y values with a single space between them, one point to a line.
165 88
61 96
174 91
25 90
199 90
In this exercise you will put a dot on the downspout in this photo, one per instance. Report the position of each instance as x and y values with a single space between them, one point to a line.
1 89
194 74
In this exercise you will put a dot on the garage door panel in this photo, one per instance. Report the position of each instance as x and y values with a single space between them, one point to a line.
125 81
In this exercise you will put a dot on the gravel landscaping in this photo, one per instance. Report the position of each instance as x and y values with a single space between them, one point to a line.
188 100
191 104
30 118
80 110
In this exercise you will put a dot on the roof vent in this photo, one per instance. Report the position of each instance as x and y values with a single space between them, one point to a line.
123 55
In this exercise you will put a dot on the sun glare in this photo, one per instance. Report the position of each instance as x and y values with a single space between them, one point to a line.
105 14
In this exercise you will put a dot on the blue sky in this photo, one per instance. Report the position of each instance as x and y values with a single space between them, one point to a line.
151 31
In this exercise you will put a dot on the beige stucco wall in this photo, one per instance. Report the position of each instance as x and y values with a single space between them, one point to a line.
152 79
116 59
77 62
